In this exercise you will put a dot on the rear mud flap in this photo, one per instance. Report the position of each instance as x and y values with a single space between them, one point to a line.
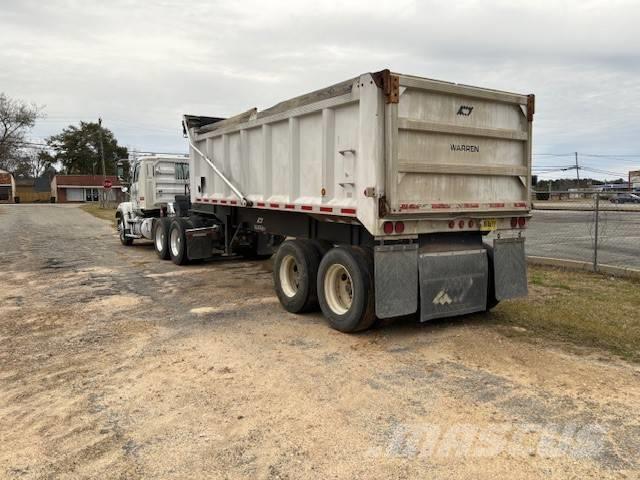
452 283
199 244
396 280
510 268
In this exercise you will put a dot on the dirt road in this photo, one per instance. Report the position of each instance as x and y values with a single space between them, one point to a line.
114 364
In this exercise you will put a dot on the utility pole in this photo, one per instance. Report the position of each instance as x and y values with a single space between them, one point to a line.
577 169
104 170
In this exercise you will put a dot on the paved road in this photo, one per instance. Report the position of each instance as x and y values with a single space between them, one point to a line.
114 364
570 235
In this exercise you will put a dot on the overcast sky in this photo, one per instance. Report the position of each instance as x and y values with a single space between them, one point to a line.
141 65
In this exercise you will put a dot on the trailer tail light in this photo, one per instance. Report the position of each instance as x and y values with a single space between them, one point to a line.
514 222
461 224
471 223
388 228
521 222
452 224
399 227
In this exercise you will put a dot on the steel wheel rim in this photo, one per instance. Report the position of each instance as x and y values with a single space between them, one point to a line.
175 241
289 276
338 289
159 238
121 223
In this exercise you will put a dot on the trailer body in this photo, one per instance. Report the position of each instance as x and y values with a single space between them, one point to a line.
436 150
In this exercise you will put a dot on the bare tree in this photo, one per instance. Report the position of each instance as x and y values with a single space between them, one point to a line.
16 119
32 163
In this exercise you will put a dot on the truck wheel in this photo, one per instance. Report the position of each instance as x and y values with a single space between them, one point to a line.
491 287
346 289
124 240
295 269
178 241
161 236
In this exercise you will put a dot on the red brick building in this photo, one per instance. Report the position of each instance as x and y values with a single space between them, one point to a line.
83 188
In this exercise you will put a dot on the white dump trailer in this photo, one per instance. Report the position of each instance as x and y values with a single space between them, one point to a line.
386 187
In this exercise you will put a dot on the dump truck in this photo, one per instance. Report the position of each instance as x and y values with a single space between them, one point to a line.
394 194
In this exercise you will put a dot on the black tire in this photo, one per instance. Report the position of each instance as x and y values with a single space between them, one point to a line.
295 270
177 227
161 237
122 233
360 313
492 301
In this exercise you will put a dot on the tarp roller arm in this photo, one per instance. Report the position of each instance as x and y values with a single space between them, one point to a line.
245 202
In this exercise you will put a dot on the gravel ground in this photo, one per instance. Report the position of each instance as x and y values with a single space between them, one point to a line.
114 364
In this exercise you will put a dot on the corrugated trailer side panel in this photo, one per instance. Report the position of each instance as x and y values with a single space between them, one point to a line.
311 158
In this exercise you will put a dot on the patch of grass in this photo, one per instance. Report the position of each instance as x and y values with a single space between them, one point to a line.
102 213
584 309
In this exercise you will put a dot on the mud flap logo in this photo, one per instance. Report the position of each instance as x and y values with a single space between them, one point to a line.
442 298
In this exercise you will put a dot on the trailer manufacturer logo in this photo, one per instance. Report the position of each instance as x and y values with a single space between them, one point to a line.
465 110
259 227
442 298
464 148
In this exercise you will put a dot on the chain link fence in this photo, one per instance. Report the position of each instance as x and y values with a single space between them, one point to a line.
598 227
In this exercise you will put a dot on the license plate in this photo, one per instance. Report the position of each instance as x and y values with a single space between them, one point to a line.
488 224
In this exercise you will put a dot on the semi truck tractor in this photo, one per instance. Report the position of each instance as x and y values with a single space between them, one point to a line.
396 194
154 183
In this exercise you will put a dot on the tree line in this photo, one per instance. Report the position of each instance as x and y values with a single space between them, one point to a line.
73 151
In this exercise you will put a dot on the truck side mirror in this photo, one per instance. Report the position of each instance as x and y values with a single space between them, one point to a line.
120 172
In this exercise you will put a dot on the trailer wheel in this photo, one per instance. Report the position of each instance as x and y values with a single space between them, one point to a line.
295 270
161 236
346 289
124 240
492 301
177 241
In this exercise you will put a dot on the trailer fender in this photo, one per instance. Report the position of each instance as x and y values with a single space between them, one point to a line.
510 268
396 280
452 283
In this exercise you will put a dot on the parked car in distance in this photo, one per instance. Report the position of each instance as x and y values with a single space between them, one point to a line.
625 198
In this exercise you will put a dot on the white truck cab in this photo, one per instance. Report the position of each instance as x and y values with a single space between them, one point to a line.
156 180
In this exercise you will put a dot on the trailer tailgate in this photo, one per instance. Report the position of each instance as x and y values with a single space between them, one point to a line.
452 148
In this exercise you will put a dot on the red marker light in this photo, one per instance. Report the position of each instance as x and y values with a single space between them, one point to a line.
388 228
399 227
522 221
514 222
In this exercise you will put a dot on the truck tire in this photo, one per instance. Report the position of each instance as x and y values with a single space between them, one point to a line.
177 241
122 232
491 287
161 237
295 270
346 289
